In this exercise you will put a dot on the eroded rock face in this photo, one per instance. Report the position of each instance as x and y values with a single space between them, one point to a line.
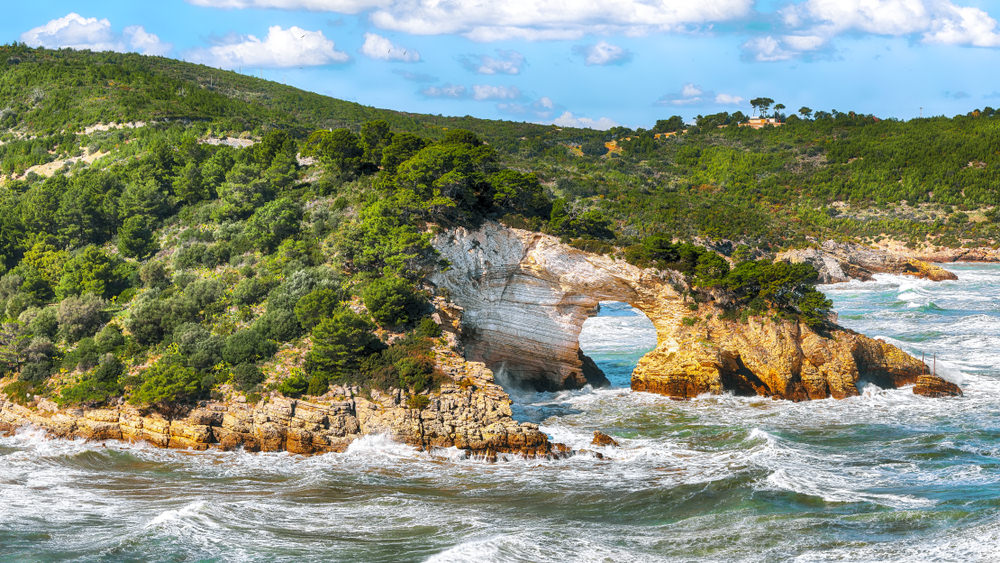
471 414
841 262
525 297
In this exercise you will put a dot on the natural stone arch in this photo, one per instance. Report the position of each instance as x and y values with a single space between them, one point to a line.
523 298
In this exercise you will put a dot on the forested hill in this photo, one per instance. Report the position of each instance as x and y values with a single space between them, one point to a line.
824 174
44 91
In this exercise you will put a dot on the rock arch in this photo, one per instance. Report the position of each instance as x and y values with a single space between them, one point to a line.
523 297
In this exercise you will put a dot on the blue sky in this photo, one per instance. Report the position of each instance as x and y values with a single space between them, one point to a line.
574 62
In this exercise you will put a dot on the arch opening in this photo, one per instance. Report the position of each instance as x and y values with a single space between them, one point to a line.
615 338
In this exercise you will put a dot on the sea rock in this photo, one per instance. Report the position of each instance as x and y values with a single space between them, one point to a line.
936 387
524 297
602 439
840 262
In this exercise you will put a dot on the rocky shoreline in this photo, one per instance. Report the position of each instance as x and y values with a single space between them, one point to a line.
472 414
517 300
840 262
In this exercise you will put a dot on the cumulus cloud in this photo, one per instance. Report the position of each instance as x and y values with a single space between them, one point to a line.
506 62
813 24
281 48
446 91
478 92
483 20
378 47
485 92
602 53
729 99
77 32
567 119
691 94
341 6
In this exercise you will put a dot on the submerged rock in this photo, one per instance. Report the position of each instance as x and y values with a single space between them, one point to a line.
602 439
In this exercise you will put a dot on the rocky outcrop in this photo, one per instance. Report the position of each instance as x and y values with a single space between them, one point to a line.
524 297
841 262
776 358
472 414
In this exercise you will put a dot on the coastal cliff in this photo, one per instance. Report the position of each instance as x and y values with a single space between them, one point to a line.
471 413
524 297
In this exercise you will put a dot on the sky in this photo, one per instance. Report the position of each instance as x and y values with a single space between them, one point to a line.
584 63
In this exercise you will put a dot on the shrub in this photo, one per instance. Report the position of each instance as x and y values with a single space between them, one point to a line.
339 344
392 301
135 237
247 346
201 348
428 328
293 386
166 383
279 325
80 316
41 322
247 376
250 291
38 359
97 387
109 339
317 305
154 274
407 364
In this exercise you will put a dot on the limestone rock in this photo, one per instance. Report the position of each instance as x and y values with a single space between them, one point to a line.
524 297
602 439
840 262
472 413
936 387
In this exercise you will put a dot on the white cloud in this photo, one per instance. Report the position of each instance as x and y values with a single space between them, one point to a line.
446 91
546 102
603 53
485 92
478 92
815 23
281 48
77 32
486 20
729 99
690 94
767 49
340 6
567 119
378 47
694 95
506 62
966 26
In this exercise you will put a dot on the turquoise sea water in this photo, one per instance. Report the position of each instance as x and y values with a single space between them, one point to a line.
884 476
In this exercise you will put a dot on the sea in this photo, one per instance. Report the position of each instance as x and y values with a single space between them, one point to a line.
885 476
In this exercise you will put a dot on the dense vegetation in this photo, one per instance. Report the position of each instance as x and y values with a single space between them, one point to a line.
162 263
